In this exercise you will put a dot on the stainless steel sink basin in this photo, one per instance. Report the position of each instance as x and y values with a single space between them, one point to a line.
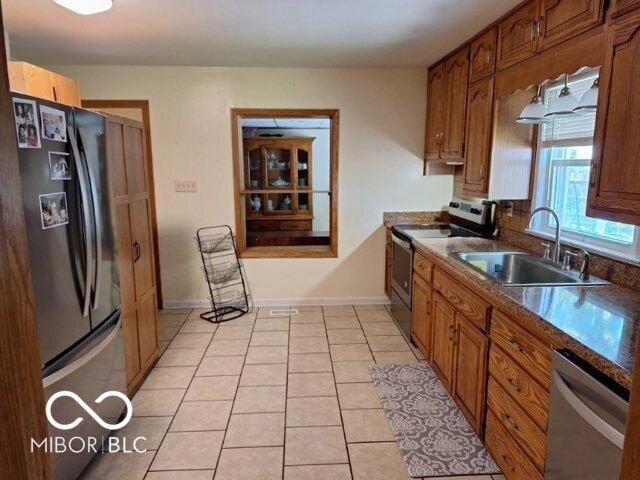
520 269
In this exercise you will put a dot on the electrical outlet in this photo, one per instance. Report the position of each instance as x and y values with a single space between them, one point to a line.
509 209
186 186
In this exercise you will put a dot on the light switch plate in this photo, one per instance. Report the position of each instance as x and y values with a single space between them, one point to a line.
186 186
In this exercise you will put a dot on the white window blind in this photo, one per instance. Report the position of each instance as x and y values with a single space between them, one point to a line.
576 128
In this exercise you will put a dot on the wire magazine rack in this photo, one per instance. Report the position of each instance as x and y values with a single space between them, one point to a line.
223 272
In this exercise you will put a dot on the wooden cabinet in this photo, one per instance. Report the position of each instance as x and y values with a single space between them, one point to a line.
518 35
479 130
444 324
614 187
482 55
447 85
38 82
457 82
435 112
421 324
561 20
620 7
470 374
474 308
128 172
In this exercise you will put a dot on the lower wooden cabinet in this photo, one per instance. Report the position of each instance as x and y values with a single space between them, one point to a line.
444 324
421 325
470 375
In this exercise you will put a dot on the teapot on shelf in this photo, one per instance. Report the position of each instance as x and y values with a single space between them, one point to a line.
256 203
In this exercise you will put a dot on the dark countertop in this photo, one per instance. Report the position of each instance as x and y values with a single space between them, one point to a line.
598 323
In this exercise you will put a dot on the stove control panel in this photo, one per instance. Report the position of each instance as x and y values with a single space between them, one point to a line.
472 211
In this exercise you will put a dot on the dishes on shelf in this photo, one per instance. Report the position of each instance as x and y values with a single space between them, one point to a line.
280 183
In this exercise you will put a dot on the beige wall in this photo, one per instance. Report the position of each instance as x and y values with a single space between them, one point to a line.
381 142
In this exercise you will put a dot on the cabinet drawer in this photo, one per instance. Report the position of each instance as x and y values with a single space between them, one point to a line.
530 353
508 455
423 267
464 300
525 391
296 225
513 419
263 225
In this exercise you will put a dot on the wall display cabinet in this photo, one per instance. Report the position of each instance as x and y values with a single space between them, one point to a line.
38 82
482 55
614 187
446 108
278 183
127 165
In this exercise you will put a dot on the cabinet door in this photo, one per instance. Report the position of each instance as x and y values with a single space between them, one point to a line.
479 123
614 187
421 327
142 247
443 334
147 329
470 371
482 56
456 85
564 19
388 265
518 35
65 90
435 111
130 340
620 7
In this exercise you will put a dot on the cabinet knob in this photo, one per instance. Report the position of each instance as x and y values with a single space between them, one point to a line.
516 345
516 386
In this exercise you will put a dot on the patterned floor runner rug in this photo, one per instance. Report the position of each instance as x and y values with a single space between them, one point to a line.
433 435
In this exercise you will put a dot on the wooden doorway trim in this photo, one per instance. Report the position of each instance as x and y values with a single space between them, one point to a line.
143 105
21 390
328 251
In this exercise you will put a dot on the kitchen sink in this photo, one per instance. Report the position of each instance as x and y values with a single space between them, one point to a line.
519 269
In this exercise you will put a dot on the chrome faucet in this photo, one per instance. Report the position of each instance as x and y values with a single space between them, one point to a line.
586 261
556 249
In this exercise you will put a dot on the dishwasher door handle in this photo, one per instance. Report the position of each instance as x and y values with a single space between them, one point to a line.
587 414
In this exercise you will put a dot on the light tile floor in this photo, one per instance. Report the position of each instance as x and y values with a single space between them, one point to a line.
260 397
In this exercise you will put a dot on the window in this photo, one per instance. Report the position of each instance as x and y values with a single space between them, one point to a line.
562 181
286 177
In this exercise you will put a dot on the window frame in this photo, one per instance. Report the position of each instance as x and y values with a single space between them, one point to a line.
542 195
297 251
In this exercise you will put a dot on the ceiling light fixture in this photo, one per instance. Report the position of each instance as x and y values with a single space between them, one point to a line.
86 7
564 104
589 101
535 111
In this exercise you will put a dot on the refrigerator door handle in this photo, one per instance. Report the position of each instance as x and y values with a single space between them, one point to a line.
97 226
88 246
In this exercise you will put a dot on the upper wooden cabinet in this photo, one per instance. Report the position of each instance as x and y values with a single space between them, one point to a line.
620 7
563 19
479 122
614 187
447 85
457 82
38 82
518 35
482 55
541 24
435 111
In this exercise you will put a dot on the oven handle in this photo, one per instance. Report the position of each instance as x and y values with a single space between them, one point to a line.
402 243
587 414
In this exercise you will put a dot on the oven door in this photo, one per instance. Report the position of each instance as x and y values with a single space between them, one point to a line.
402 269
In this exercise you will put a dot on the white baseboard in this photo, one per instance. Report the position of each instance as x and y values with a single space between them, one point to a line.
281 302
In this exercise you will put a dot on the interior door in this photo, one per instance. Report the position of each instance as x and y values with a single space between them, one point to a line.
435 111
470 371
443 335
457 83
614 187
479 129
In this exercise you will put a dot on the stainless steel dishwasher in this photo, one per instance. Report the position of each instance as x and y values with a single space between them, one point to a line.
587 419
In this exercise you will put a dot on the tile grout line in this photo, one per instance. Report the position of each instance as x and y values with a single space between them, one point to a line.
286 400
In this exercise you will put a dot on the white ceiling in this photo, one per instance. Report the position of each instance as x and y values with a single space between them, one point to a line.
286 123
270 33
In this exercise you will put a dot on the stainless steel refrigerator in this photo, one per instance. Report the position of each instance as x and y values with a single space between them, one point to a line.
74 266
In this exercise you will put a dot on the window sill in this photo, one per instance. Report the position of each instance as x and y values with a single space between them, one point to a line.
630 259
289 252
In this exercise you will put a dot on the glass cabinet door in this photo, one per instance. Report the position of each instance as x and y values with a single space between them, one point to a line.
278 167
304 171
255 169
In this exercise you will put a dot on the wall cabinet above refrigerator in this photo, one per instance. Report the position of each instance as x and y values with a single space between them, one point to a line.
38 82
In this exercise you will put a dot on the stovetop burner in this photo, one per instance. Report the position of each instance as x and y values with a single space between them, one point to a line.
434 230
